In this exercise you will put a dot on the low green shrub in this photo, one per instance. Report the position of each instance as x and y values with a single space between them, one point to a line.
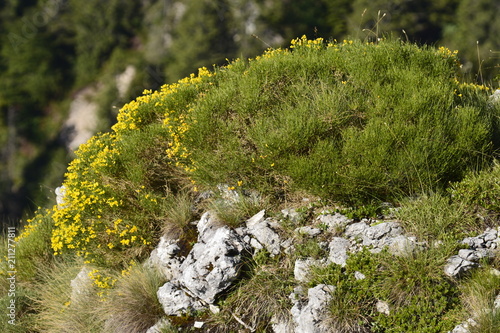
478 296
132 306
349 121
420 297
480 190
352 306
436 216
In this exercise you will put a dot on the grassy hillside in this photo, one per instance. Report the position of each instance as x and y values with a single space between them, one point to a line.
353 124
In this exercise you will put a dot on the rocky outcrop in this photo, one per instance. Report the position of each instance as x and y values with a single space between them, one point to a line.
215 260
479 247
308 313
210 267
83 120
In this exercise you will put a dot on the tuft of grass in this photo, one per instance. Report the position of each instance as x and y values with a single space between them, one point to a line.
258 298
56 310
478 295
25 319
436 216
480 191
235 211
179 213
132 306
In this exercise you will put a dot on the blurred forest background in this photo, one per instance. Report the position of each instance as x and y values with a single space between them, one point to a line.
67 66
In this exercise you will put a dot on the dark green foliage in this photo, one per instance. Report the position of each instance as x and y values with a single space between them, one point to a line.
296 18
99 28
480 190
422 21
420 297
473 32
202 38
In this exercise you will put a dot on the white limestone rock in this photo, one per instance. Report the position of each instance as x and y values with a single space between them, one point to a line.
213 263
338 250
308 315
176 301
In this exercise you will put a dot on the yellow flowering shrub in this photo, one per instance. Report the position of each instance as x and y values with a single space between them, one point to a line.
113 201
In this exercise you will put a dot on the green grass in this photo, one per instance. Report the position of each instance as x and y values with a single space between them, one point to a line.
478 294
480 191
260 297
420 297
301 114
235 211
437 217
132 306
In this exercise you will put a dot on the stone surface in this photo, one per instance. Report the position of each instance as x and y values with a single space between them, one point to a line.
334 222
383 307
60 193
83 120
263 232
213 263
282 325
81 285
160 326
302 268
359 276
198 324
338 250
309 231
164 257
481 246
464 327
308 314
456 266
292 215
380 235
176 301
402 245
356 230
496 303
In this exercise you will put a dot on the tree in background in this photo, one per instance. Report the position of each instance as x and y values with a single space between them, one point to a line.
203 37
423 21
292 18
475 33
99 28
34 73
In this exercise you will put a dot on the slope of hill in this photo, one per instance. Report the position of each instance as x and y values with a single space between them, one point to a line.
355 128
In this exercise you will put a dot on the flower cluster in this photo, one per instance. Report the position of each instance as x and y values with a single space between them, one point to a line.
33 224
303 41
78 222
104 283
177 123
